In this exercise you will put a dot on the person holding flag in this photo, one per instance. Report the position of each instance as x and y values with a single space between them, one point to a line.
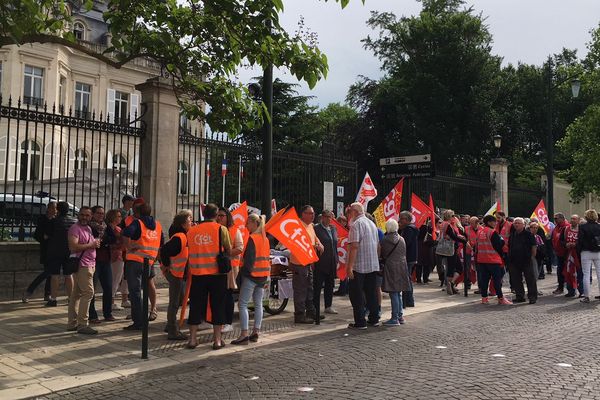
559 250
572 270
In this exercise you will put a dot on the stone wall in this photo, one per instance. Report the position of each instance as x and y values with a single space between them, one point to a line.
19 265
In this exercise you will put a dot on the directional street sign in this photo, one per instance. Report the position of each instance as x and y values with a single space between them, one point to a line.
418 166
422 158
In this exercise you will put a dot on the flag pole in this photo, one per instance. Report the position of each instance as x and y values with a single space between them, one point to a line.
240 181
207 175
223 173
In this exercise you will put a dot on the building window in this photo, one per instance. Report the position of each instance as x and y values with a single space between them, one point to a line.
185 126
29 160
182 178
119 162
79 31
83 93
33 86
121 107
80 159
62 87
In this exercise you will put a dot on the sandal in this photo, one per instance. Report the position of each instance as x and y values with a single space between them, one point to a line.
153 315
189 345
216 346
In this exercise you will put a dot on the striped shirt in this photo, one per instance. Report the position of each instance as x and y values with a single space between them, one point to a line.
364 232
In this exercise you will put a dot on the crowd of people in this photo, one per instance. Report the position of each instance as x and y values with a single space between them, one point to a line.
208 261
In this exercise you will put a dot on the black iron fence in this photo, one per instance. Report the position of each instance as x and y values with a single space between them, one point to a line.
47 153
218 170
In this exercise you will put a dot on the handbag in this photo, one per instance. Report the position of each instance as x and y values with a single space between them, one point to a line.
223 260
72 265
445 246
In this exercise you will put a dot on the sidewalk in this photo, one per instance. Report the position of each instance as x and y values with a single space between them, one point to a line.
38 356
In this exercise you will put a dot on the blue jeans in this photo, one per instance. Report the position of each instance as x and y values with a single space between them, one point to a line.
396 299
104 275
254 291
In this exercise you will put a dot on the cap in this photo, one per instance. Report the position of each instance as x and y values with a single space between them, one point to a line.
127 197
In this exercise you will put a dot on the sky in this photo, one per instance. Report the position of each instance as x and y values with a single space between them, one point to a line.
523 31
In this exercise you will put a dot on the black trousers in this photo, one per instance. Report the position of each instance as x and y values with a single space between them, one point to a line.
517 271
423 272
363 291
320 280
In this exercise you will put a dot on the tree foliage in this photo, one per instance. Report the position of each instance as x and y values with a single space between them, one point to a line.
201 43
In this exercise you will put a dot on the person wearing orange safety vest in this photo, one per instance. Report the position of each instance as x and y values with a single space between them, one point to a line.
142 238
174 258
488 256
255 272
471 235
208 286
225 218
504 228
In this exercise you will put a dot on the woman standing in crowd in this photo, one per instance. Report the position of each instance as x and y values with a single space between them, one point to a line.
174 258
41 234
255 271
343 288
589 248
396 278
489 260
225 218
450 229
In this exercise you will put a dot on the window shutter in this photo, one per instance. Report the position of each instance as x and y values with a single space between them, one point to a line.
109 160
133 107
110 105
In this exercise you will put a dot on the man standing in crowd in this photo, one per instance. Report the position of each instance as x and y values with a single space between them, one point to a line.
83 247
410 234
103 267
142 238
559 250
325 268
127 209
58 252
302 280
521 253
362 267
471 235
205 241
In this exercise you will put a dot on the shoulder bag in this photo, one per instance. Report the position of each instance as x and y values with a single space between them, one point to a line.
445 246
223 259
382 260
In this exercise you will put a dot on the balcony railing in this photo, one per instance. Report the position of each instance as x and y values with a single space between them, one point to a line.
139 62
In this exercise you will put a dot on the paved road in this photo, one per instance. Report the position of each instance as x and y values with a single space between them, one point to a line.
491 352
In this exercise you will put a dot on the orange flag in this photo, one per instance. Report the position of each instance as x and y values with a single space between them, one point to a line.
342 248
240 216
290 231
275 218
186 296
542 216
420 210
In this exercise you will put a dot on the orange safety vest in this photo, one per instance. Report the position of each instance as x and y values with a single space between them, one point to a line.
146 246
179 262
203 244
262 263
235 261
471 237
486 254
129 219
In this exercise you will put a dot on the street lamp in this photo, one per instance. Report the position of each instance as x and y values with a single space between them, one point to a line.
497 144
575 88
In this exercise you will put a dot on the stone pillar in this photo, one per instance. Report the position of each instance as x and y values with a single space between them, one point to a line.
159 148
499 179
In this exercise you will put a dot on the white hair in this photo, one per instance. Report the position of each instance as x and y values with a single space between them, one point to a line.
519 219
391 226
358 208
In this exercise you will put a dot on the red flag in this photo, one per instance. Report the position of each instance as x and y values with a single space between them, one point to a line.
420 210
290 231
433 234
240 215
366 192
542 216
342 248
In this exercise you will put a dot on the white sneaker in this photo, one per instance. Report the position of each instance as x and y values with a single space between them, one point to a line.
330 310
227 328
116 307
126 304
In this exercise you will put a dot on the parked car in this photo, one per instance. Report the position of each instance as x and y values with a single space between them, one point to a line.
19 214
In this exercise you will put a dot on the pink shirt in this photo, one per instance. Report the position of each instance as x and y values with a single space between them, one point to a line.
84 235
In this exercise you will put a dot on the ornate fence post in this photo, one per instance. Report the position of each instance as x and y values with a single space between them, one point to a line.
159 148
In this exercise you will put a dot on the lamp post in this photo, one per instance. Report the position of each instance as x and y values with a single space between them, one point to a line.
575 88
497 144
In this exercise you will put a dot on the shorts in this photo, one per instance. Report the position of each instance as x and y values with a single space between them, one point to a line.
54 267
204 287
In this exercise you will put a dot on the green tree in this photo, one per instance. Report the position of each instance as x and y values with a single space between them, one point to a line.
201 43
